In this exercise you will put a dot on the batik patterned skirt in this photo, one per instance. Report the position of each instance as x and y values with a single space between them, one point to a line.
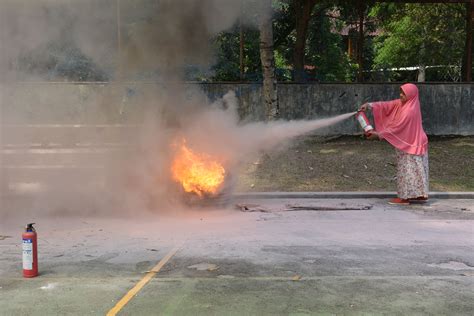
412 175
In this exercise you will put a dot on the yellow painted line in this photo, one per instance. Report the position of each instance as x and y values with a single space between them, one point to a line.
124 300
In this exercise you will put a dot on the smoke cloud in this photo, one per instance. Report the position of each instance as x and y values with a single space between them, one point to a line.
122 133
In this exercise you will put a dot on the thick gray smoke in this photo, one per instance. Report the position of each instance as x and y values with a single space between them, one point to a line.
124 132
217 129
177 34
58 40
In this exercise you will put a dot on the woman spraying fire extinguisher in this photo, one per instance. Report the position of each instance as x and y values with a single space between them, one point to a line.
399 123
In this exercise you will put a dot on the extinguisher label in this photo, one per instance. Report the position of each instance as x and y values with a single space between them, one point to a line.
362 122
27 254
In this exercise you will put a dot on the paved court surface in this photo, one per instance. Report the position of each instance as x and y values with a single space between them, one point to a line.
270 257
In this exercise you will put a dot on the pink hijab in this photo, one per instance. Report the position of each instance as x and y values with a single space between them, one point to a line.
400 124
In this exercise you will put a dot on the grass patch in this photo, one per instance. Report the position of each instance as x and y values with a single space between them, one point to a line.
351 163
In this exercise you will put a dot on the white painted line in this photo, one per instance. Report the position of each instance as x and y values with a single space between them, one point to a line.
59 151
53 167
66 125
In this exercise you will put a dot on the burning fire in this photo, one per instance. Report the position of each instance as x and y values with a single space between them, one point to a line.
197 172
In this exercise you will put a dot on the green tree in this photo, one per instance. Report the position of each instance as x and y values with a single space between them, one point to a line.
227 63
303 10
311 43
355 16
326 51
227 56
423 36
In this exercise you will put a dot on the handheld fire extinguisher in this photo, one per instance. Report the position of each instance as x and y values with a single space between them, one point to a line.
364 123
30 252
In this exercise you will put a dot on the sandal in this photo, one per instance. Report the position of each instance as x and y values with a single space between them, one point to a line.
420 199
399 201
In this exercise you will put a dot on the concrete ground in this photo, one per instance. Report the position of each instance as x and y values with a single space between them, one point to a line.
269 257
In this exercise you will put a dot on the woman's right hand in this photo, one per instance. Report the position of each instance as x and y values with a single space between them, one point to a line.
364 107
373 135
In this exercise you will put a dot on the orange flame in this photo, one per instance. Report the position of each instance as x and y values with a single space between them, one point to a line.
197 172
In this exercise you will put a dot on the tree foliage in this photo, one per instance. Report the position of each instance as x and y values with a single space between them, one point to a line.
396 36
310 44
325 49
325 57
421 34
227 56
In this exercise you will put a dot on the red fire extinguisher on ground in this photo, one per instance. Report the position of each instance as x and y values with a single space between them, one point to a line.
364 123
30 252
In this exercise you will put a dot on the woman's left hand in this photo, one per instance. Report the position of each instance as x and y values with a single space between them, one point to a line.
364 107
373 135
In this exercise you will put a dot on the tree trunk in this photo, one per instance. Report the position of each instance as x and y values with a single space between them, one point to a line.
303 10
421 73
360 44
423 57
270 96
241 42
467 60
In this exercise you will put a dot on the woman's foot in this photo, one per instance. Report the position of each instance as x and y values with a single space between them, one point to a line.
398 201
420 199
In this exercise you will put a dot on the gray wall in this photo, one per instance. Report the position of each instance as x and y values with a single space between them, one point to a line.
446 108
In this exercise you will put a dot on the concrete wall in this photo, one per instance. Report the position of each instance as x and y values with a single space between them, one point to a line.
446 108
